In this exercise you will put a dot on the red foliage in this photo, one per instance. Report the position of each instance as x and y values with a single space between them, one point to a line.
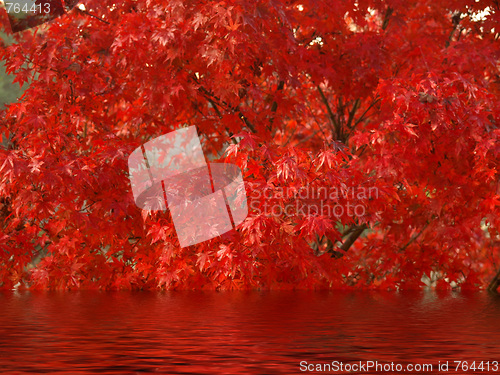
323 102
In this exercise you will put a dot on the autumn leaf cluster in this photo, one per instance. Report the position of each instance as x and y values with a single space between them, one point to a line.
402 97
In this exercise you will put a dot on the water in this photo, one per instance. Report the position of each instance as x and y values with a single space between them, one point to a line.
243 332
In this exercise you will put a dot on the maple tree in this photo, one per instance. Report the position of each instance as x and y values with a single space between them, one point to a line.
401 97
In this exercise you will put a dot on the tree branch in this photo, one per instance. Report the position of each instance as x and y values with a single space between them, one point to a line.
387 17
455 19
414 238
495 283
211 97
331 114
274 106
358 231
219 114
93 16
365 112
353 112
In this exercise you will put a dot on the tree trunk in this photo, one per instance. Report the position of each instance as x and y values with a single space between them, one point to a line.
495 283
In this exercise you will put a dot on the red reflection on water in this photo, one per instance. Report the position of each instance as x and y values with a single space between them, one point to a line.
240 333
